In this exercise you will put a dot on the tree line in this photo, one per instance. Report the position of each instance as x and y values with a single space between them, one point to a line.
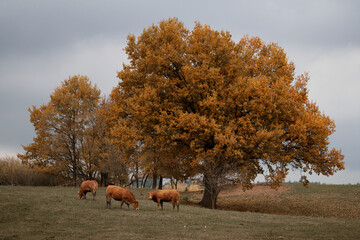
189 103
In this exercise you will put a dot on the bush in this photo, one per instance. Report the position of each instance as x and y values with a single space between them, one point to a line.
13 172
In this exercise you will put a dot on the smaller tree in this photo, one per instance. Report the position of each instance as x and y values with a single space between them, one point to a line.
61 127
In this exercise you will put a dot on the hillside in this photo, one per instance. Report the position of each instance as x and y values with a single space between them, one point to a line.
57 213
337 201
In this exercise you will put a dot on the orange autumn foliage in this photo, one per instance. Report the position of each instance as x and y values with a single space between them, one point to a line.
226 110
61 128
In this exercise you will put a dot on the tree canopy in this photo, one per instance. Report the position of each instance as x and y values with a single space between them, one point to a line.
225 110
188 103
62 144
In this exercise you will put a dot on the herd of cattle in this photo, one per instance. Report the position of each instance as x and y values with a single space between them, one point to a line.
127 197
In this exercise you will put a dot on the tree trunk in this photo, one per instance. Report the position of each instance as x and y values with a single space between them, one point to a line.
154 180
161 182
206 199
74 159
144 181
210 196
172 183
137 175
74 172
103 179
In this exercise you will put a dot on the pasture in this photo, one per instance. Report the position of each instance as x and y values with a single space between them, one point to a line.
336 201
57 213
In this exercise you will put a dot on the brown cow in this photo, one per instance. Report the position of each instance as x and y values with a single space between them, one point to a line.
88 186
120 194
161 196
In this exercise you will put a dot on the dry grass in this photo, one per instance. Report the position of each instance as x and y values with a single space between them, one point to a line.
13 172
336 201
57 213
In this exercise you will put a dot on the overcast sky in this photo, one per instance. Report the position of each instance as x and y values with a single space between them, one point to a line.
44 42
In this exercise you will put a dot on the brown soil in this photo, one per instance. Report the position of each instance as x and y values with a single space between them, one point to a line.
236 190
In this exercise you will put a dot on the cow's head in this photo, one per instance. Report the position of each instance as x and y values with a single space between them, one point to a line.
150 194
80 194
136 205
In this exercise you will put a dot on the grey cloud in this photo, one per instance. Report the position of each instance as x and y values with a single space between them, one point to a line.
346 138
32 26
43 42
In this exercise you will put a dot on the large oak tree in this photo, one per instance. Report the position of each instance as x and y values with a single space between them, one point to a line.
228 110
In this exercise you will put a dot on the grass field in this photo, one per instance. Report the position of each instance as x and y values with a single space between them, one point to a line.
337 201
57 213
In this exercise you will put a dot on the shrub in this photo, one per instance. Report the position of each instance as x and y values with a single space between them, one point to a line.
13 172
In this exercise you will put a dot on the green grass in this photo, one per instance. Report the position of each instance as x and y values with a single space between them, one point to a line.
57 213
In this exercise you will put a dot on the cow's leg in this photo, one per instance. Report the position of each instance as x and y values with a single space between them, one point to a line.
177 202
158 203
161 202
121 204
108 202
94 194
85 194
173 204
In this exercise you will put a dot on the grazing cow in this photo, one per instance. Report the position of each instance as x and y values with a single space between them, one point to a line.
161 196
88 186
120 194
